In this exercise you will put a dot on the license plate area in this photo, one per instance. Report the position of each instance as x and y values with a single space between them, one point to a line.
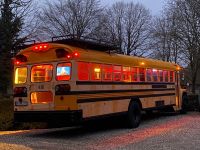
21 103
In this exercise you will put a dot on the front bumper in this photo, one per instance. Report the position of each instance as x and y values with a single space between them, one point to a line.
48 116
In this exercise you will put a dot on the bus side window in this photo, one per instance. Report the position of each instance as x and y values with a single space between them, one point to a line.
171 76
126 74
117 73
155 75
166 77
83 71
149 75
134 74
160 75
96 72
142 74
63 72
107 72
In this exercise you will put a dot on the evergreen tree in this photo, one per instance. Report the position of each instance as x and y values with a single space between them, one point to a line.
10 26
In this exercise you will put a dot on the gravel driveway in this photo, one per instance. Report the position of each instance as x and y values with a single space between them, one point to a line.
155 132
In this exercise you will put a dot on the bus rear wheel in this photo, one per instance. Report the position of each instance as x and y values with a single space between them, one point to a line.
134 114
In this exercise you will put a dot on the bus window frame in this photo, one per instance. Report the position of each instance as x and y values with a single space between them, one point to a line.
88 70
91 73
132 74
26 74
129 74
173 75
40 65
56 71
140 74
154 70
159 75
151 74
102 66
121 73
164 79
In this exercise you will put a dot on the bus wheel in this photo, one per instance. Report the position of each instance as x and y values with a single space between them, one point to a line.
134 115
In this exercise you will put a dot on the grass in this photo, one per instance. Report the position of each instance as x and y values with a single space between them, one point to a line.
6 114
7 117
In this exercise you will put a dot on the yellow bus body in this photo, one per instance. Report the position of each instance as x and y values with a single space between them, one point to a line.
94 98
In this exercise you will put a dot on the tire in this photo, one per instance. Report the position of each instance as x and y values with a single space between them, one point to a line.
149 112
184 104
134 115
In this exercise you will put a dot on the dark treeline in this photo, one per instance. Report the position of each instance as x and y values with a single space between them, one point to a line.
172 36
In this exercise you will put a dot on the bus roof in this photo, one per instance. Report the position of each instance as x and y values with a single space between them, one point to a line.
90 55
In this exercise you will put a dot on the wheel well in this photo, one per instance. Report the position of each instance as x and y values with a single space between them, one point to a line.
136 100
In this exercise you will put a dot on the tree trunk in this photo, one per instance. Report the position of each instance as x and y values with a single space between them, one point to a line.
193 83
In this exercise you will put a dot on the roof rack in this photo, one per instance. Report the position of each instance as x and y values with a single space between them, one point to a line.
84 42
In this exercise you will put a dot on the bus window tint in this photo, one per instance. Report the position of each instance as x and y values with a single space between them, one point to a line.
117 73
107 72
126 74
160 74
20 75
134 74
41 73
142 74
83 71
148 74
155 75
63 72
96 72
165 73
171 76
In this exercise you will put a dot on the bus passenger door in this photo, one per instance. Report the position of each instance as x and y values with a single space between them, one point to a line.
177 89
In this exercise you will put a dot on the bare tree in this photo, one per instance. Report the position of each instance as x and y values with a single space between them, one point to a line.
77 17
160 39
166 44
187 21
127 25
136 21
115 26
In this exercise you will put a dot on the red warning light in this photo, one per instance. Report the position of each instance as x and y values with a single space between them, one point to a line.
76 54
20 59
69 56
41 47
17 62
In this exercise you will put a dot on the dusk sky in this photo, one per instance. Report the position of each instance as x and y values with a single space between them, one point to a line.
155 6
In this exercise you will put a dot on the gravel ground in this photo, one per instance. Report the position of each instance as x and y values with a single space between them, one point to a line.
170 132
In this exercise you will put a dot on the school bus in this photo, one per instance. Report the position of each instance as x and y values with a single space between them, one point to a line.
71 80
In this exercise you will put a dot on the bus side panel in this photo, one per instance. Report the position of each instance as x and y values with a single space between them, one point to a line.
92 109
67 102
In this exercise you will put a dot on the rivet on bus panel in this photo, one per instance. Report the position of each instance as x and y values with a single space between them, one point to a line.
61 98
